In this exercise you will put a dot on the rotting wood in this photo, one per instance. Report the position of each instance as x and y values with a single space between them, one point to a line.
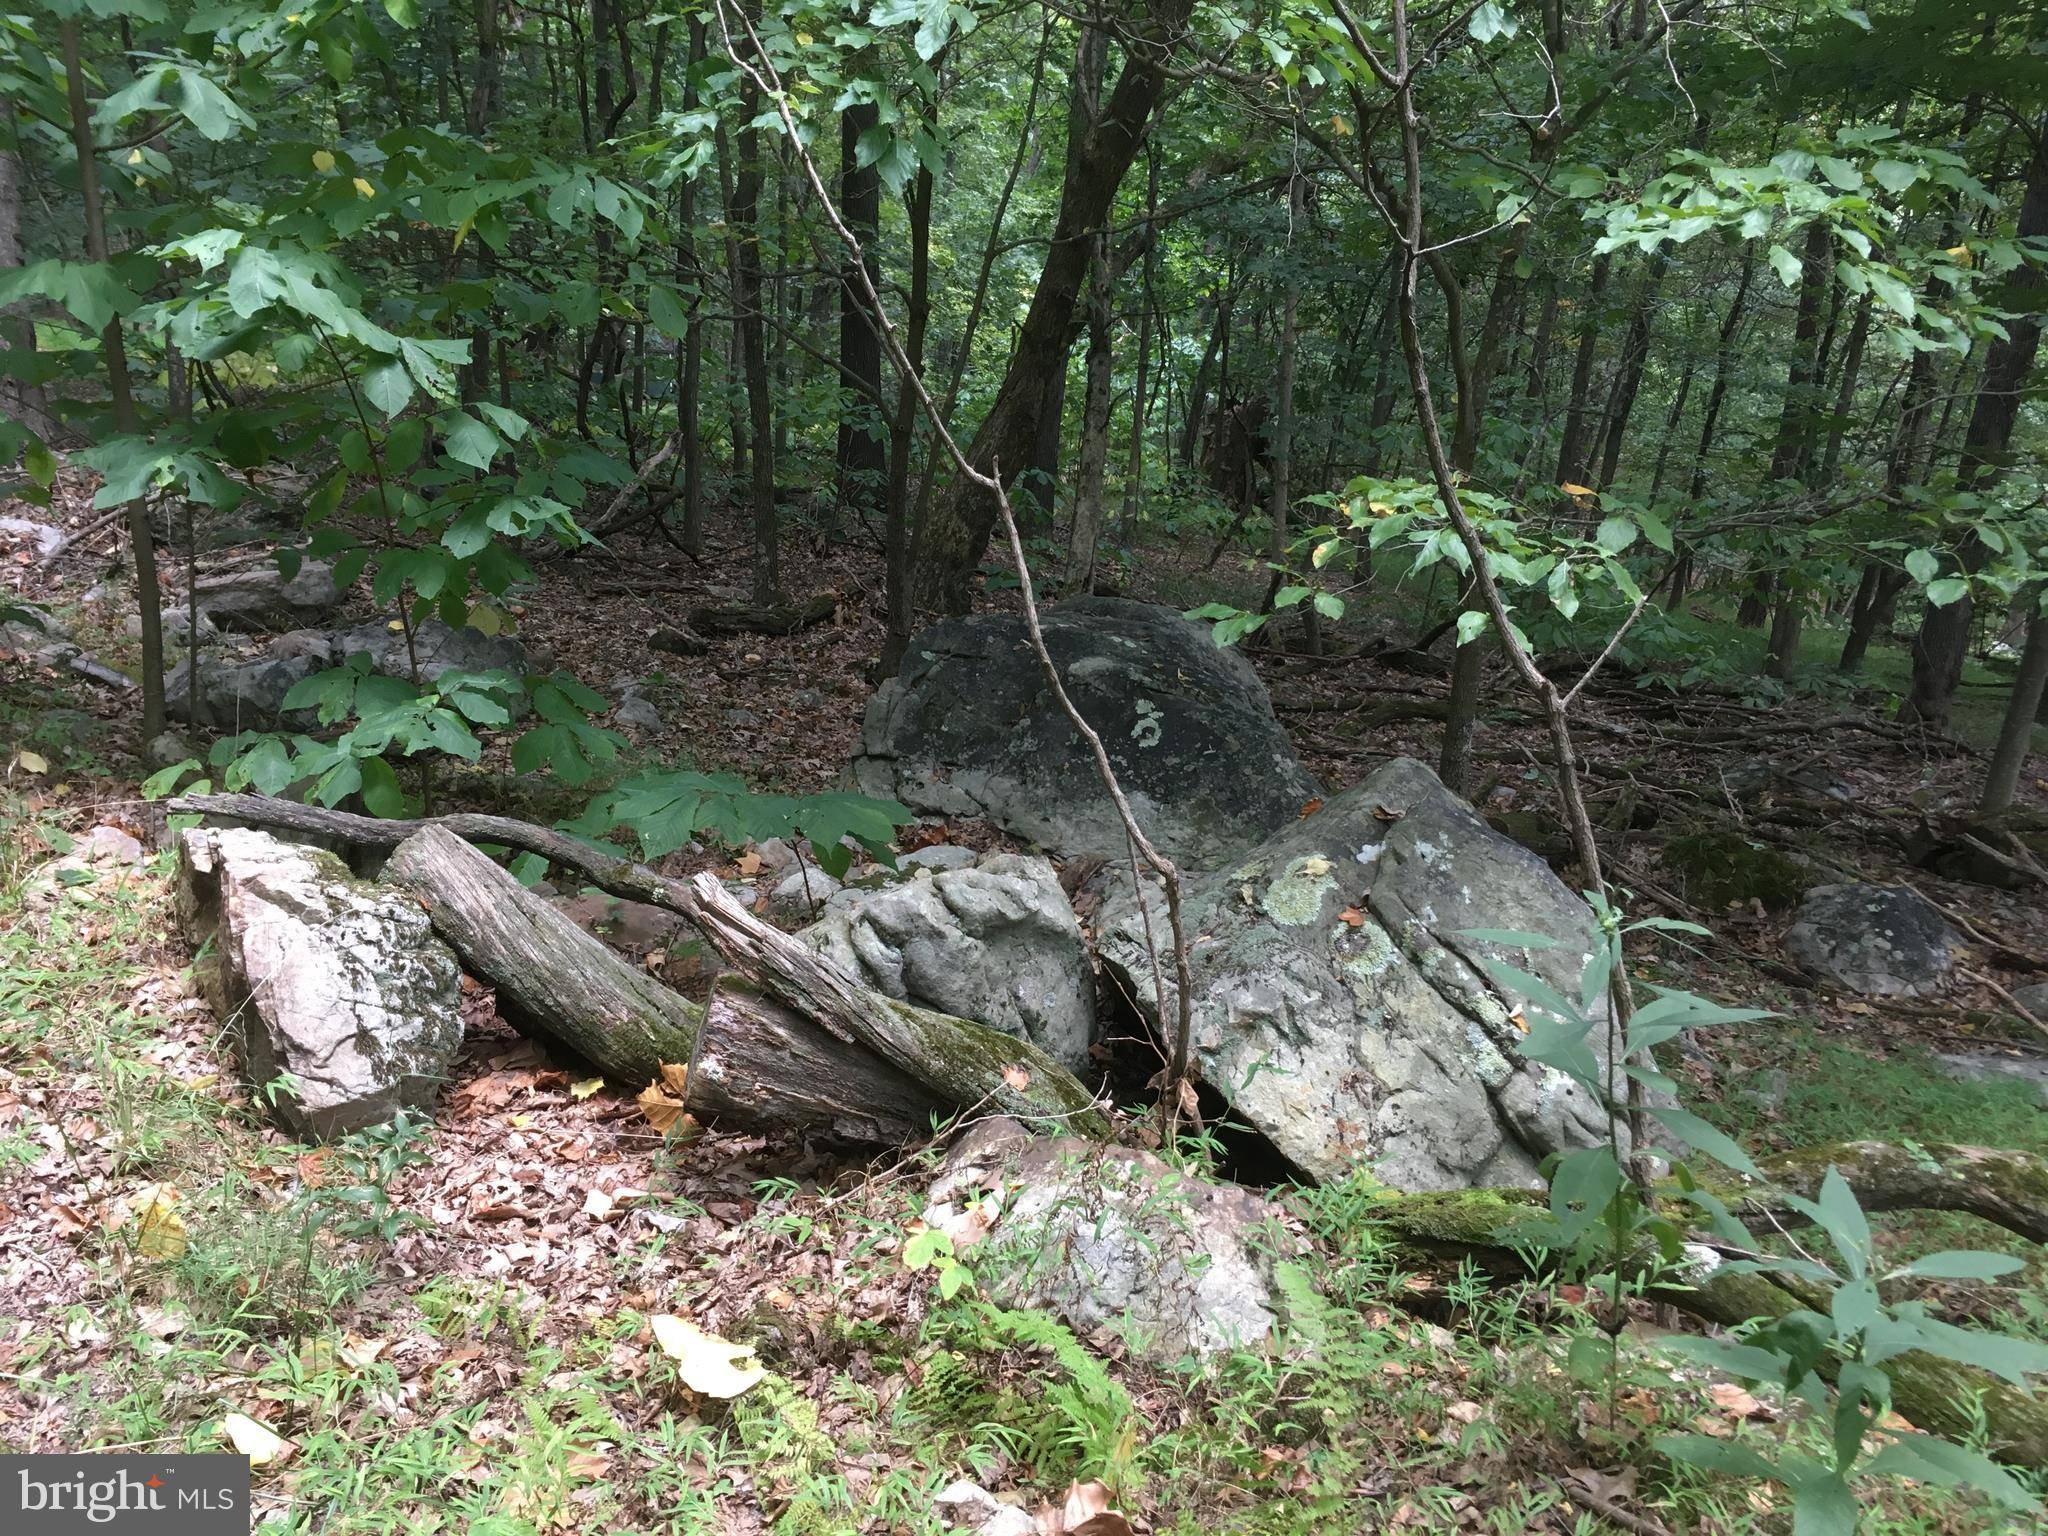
781 619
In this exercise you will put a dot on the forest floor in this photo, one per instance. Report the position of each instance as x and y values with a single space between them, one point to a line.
445 1327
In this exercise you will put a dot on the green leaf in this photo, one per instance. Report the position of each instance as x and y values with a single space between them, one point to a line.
1928 1460
1489 22
667 313
1894 175
405 12
1786 265
1950 589
381 795
388 387
1708 1138
468 441
1471 625
1723 1456
1823 1505
1922 565
1963 1264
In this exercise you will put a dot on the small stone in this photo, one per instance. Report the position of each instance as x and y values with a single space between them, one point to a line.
2034 999
170 747
741 717
108 845
776 854
637 710
802 889
938 856
808 699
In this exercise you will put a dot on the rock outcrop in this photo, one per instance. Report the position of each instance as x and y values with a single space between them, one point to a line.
970 727
995 942
334 984
250 695
1341 1002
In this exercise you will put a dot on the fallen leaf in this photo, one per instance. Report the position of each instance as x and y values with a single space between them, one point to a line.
1730 1398
1577 490
258 1442
31 762
1352 916
676 1079
750 863
160 1230
1311 808
705 1362
583 1088
1016 1077
663 1113
597 1205
1463 1413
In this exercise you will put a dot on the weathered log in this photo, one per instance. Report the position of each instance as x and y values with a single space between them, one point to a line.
2009 1189
552 978
753 1062
783 619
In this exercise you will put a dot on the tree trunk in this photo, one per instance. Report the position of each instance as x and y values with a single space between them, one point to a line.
897 532
1944 636
959 526
747 301
1870 613
862 458
1134 466
1788 620
114 355
1089 480
1795 416
2029 688
1724 349
1573 461
1280 441
1845 393
690 379
21 397
1628 378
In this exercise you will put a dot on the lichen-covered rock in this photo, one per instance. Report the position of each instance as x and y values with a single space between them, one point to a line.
995 942
1883 941
970 727
239 698
1109 1238
1341 1004
335 983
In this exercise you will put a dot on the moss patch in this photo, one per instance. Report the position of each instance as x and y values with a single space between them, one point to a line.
1718 867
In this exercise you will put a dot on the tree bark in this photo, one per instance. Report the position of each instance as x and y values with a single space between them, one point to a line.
2016 734
1573 452
747 302
1944 637
114 355
862 458
962 519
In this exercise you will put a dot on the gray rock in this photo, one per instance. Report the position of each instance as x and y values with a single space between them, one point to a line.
1755 777
969 727
249 696
938 856
258 597
808 698
996 942
636 709
1995 1067
802 891
776 854
2034 999
44 537
1343 1010
1109 1238
1882 941
741 717
439 648
335 982
170 747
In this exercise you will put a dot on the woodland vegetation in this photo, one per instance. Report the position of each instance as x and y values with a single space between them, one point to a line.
662 496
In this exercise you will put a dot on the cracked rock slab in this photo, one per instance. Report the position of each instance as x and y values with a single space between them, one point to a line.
1344 1012
333 983
1882 941
970 727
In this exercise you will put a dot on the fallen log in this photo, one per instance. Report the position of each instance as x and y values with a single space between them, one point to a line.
880 1072
781 619
2009 1189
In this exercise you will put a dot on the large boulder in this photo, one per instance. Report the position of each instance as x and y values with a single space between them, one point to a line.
970 727
438 647
336 983
1113 1239
1341 1004
242 697
1882 941
995 942
261 597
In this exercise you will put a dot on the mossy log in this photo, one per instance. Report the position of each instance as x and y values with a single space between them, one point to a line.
2009 1189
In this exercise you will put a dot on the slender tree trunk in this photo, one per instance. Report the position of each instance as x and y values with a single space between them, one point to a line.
1685 378
1280 440
902 431
747 301
959 526
690 380
1089 480
2029 689
1870 613
1724 350
1944 637
1795 417
114 354
1134 467
1198 391
21 398
1845 393
1628 378
862 454
1574 453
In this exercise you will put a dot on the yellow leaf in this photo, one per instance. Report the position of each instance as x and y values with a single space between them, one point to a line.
663 1113
675 1078
31 762
485 619
160 1230
585 1087
1577 490
705 1362
323 162
135 157
364 189
258 1442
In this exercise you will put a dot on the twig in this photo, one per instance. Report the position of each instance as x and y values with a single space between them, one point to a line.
2010 1001
1607 1509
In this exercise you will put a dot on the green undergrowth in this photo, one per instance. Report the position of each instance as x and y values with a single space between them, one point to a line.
1399 1396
